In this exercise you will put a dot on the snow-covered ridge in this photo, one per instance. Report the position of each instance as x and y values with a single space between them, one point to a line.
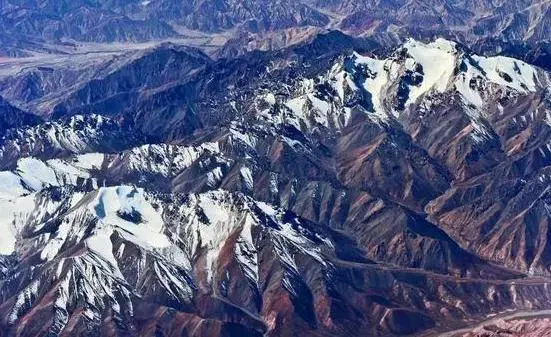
20 186
414 71
441 64
435 61
131 212
73 134
137 215
212 217
172 232
33 175
164 158
77 134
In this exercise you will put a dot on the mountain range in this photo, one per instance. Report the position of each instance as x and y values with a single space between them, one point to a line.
30 26
312 189
275 168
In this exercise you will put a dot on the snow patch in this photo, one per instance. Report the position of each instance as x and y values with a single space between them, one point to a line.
247 177
438 62
127 210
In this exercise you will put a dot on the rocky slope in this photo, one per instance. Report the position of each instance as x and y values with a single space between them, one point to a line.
12 117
